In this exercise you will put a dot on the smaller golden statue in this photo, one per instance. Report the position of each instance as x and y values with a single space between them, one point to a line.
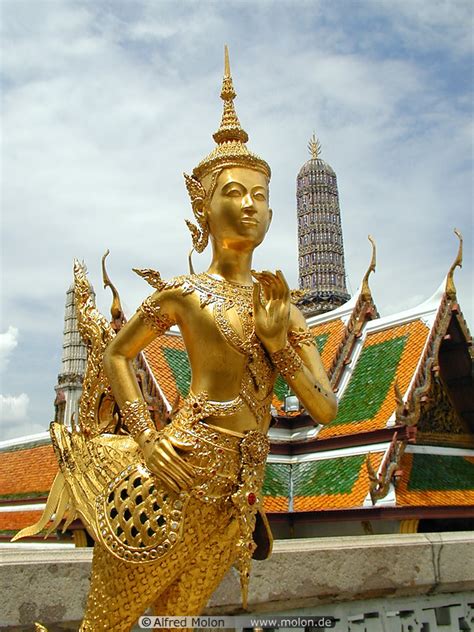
171 510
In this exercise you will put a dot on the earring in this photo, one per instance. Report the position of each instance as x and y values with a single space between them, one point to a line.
200 236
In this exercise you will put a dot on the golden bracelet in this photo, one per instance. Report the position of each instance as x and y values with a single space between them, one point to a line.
299 337
287 361
137 417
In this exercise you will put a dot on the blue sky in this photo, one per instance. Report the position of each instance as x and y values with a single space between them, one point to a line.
105 104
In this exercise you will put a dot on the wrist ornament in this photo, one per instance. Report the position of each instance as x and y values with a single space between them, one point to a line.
137 417
287 361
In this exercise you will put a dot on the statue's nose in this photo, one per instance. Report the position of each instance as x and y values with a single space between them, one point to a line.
247 202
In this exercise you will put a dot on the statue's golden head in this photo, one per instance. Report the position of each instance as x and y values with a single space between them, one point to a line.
230 155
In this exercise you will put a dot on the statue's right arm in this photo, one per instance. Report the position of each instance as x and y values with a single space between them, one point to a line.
145 326
120 353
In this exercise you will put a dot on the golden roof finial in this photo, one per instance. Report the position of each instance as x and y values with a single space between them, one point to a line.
450 287
116 307
231 139
230 128
314 147
365 290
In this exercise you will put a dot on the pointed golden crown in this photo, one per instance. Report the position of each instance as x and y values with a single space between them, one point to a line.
231 149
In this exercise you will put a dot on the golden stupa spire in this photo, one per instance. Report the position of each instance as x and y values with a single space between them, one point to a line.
314 147
230 128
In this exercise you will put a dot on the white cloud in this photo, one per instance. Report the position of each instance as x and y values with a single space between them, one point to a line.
8 342
14 407
437 24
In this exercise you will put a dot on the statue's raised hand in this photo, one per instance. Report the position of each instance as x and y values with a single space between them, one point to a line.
272 310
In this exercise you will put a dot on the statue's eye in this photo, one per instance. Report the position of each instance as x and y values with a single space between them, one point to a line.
259 196
234 193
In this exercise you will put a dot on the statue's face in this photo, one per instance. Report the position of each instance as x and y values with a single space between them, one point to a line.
238 213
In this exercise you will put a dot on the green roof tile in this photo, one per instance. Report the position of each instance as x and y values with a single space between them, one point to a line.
320 341
432 472
373 375
330 476
277 479
281 388
179 364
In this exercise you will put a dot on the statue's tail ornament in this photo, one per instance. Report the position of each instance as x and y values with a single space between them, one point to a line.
56 507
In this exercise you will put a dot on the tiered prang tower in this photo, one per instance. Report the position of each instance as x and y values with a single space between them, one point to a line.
320 247
73 365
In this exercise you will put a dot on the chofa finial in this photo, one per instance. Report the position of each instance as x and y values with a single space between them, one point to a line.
314 146
365 290
116 310
450 287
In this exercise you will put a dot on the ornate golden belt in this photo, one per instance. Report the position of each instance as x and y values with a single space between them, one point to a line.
141 522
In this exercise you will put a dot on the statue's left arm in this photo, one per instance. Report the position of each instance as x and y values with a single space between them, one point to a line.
282 329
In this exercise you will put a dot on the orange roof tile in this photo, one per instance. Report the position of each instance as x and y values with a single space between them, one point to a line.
334 330
15 520
29 471
159 365
275 503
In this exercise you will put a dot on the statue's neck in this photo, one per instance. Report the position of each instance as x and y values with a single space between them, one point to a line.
232 265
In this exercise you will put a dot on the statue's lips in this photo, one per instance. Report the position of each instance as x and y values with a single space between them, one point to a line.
249 221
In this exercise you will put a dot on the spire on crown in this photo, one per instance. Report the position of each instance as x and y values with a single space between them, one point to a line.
230 128
231 150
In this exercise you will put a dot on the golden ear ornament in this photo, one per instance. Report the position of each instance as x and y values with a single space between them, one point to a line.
200 236
197 194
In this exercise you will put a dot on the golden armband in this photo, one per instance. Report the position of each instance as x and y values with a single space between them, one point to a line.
153 316
300 337
137 417
287 361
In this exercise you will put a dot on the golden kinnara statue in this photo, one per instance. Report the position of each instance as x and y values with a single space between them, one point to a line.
171 510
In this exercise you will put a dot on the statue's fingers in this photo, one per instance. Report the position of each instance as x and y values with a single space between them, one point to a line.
181 445
285 289
271 282
266 285
257 299
183 473
178 466
170 483
281 276
167 481
175 474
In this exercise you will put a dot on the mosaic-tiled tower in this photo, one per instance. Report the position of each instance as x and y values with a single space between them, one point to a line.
321 252
69 386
